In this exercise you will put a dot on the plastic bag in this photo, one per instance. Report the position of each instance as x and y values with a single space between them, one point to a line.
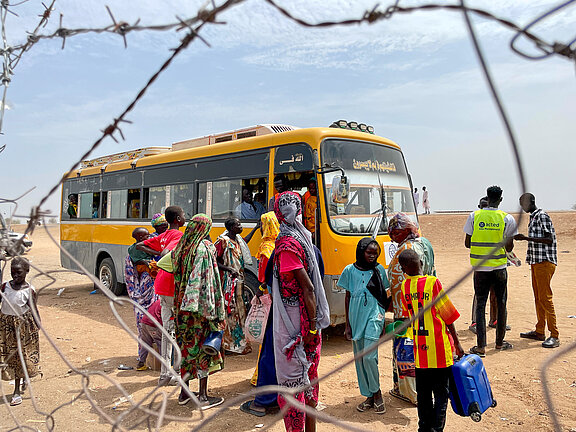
257 318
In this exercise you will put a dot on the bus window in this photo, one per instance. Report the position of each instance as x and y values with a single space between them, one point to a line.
203 198
88 205
118 204
226 196
133 204
154 201
183 196
104 208
253 200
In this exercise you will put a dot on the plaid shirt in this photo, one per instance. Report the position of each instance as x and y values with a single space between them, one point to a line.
541 226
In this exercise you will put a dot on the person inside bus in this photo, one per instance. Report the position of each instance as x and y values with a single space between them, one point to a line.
164 282
248 208
280 185
72 206
309 205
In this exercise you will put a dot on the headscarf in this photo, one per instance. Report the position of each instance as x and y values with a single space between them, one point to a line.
375 284
270 230
183 254
288 210
158 219
407 229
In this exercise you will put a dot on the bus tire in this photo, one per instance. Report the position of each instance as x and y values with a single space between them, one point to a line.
251 284
107 276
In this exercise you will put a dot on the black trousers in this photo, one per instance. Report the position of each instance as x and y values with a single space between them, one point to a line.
432 386
483 282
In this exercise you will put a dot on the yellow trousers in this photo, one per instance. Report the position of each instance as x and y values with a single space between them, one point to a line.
542 273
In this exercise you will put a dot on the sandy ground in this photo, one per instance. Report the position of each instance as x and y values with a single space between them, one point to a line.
88 335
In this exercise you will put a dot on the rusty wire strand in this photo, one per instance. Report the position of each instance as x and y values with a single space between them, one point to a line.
158 415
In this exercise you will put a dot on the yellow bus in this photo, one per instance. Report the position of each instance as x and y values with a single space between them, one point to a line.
362 180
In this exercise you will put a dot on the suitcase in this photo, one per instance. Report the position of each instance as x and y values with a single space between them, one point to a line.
470 392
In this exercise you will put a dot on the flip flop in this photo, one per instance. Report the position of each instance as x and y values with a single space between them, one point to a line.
183 400
399 396
247 408
212 402
364 406
380 408
16 400
505 346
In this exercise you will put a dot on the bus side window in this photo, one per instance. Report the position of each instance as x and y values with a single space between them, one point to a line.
183 195
253 200
88 204
226 196
133 204
154 201
118 204
71 207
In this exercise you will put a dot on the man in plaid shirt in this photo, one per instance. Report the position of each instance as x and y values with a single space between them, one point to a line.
541 256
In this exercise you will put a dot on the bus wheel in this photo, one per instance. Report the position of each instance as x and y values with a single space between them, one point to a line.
107 276
249 289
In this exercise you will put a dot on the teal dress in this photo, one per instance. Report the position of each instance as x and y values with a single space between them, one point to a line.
366 319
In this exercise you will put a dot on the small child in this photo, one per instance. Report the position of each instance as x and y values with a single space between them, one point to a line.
140 259
432 347
16 318
366 286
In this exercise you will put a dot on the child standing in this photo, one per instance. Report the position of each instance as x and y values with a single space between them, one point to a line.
432 347
17 322
366 301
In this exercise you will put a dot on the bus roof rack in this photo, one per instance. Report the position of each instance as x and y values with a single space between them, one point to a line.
247 132
123 156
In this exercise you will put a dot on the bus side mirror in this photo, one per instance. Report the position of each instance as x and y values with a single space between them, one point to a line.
340 189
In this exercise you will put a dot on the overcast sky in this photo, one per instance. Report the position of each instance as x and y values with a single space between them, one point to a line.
415 78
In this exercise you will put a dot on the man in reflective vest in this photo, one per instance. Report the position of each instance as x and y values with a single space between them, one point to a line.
489 234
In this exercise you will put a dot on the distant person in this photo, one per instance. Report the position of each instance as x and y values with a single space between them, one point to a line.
159 224
416 196
72 205
541 256
280 185
164 282
199 308
248 208
19 329
485 229
140 286
432 348
366 300
404 232
309 206
425 200
260 197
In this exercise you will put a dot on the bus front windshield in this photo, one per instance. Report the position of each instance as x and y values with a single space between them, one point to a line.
378 183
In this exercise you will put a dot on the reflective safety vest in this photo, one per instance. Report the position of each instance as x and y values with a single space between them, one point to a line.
488 233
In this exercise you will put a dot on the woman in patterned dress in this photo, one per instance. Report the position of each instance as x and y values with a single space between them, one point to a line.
300 312
199 307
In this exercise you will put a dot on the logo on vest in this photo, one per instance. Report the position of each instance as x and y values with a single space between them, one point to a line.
489 225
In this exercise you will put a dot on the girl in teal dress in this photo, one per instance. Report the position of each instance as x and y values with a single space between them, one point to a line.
366 301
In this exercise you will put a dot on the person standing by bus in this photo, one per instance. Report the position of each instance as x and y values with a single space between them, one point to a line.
199 307
404 231
416 196
164 282
232 255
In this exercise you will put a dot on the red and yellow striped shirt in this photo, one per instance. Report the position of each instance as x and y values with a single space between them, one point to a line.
432 348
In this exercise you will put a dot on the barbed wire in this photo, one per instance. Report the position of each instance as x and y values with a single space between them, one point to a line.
152 407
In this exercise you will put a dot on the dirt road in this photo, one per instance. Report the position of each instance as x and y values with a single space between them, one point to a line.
86 331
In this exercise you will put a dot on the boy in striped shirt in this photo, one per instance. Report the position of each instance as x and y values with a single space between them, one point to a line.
432 346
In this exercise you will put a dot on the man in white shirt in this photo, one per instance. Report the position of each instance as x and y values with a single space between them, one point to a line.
416 195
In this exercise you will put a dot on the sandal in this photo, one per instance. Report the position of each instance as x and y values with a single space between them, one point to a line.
211 402
364 406
505 346
380 408
476 350
16 400
247 407
400 396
